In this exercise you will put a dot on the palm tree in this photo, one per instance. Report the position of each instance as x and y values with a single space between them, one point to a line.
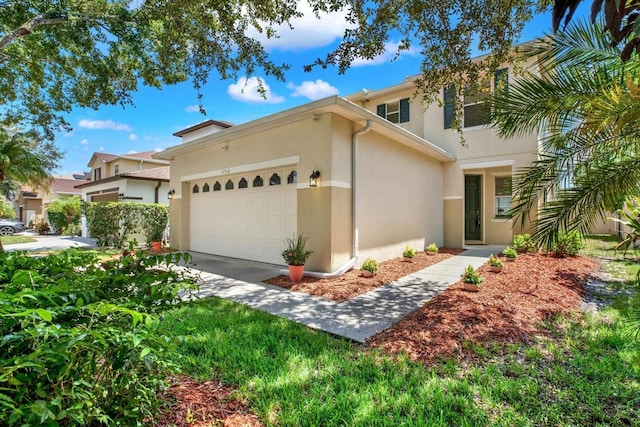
25 160
586 103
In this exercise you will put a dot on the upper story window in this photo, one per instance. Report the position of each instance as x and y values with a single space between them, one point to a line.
396 111
97 174
475 109
116 169
503 196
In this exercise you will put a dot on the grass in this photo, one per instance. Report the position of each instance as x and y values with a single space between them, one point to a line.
15 239
294 376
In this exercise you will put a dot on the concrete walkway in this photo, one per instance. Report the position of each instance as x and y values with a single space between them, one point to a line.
357 319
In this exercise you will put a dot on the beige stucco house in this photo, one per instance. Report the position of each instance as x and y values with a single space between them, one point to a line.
136 177
391 174
31 202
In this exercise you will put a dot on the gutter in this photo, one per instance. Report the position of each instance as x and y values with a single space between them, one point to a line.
354 209
156 192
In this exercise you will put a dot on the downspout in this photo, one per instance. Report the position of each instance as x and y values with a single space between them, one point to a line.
354 208
157 189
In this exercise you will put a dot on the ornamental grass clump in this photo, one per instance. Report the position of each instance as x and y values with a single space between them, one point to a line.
296 252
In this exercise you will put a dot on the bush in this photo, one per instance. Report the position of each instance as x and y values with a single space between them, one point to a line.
408 252
79 340
113 223
370 265
470 275
58 220
42 227
64 212
567 244
509 252
523 243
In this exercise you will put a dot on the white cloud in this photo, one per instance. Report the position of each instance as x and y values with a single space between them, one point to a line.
158 149
84 142
308 31
313 90
131 152
247 90
103 124
390 49
192 109
101 149
133 137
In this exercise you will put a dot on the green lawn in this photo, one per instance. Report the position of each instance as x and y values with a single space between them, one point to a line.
589 374
12 240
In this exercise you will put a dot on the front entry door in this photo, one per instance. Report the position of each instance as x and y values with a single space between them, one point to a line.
472 207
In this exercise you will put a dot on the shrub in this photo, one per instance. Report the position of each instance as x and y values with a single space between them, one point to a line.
79 341
432 248
494 262
370 265
6 209
567 244
470 275
113 223
509 252
42 227
64 212
523 243
408 252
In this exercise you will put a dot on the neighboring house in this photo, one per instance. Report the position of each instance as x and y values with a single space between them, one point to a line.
31 202
131 177
391 174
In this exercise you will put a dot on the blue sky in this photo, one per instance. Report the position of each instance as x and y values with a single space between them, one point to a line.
157 114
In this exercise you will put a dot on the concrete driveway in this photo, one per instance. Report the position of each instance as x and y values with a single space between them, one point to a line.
50 242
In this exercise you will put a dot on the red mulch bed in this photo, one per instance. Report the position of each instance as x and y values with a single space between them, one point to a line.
203 405
508 309
352 283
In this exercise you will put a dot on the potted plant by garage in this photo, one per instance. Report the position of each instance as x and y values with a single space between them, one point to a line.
432 249
471 279
369 267
495 264
408 254
155 237
296 255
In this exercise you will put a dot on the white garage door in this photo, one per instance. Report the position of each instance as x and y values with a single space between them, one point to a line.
244 216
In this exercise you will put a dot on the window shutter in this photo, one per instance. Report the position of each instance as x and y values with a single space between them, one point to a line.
382 110
449 105
501 79
404 110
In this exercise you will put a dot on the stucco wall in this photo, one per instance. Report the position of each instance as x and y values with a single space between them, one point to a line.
399 198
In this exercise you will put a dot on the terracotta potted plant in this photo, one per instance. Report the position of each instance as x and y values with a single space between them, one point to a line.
471 279
296 255
408 254
432 249
369 267
495 264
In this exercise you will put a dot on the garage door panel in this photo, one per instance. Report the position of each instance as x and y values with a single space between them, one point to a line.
244 223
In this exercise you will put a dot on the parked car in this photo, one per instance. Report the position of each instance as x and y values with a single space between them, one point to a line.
10 226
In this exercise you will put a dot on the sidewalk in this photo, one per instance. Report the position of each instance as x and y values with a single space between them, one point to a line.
357 319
